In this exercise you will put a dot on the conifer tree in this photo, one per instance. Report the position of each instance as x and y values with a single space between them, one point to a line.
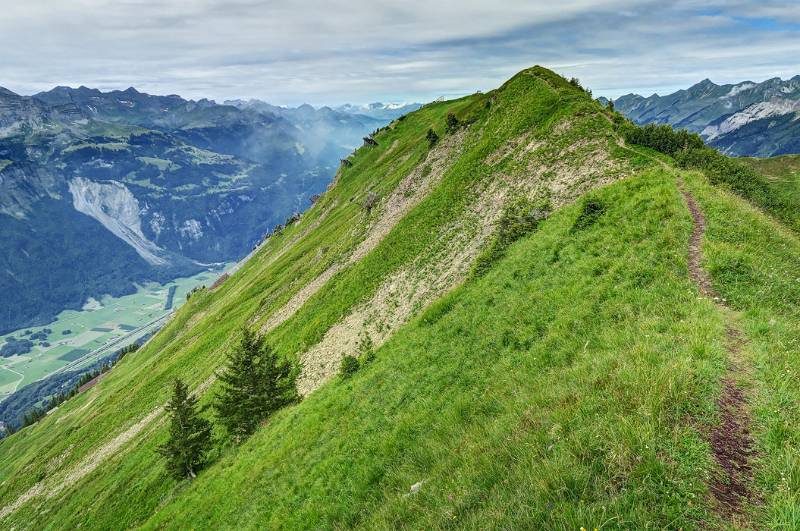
255 384
189 435
452 122
432 137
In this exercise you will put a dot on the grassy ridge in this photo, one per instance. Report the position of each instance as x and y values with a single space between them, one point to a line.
512 399
568 385
193 344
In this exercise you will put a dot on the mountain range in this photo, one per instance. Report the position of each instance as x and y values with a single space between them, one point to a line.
136 187
742 119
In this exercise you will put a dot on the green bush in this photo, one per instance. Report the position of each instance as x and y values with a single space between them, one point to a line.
452 122
591 210
518 219
661 138
432 137
349 367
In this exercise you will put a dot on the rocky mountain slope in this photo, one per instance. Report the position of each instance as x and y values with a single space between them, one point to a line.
135 187
557 329
745 119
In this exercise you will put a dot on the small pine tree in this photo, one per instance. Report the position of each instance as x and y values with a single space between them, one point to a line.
610 105
349 367
432 137
189 435
452 122
255 384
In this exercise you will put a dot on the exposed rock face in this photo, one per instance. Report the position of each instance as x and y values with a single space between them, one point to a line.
757 111
115 207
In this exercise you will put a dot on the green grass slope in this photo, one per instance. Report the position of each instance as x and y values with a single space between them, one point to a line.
570 383
782 183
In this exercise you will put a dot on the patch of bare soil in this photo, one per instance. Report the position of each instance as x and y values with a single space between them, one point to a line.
91 383
696 271
404 293
731 441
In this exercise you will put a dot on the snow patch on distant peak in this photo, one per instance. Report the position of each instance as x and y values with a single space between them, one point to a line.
116 208
757 111
739 88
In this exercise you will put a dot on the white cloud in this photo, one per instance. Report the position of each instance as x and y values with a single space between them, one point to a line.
288 51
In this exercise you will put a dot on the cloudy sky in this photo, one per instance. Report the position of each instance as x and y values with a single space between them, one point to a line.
335 51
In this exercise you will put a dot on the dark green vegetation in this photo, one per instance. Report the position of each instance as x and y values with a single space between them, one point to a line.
101 191
746 119
15 347
253 385
349 366
518 219
570 384
189 435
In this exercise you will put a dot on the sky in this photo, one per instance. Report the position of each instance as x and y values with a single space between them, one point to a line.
289 52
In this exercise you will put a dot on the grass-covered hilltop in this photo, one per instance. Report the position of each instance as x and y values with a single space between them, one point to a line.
551 319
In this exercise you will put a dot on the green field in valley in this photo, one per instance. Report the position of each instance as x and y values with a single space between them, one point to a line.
79 338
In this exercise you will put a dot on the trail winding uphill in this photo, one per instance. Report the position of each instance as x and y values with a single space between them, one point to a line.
731 441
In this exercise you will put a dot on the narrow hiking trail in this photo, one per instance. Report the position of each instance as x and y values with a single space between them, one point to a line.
731 441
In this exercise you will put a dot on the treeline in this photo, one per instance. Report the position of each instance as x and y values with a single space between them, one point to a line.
690 152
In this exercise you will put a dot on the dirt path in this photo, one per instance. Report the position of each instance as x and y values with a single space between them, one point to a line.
731 441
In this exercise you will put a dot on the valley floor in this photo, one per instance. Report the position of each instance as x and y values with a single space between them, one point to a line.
79 338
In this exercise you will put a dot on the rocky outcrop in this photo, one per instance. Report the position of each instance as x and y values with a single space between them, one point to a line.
116 208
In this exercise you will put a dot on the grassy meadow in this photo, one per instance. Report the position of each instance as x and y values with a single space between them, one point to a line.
570 384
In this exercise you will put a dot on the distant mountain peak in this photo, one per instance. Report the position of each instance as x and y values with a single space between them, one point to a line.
705 84
4 91
745 118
